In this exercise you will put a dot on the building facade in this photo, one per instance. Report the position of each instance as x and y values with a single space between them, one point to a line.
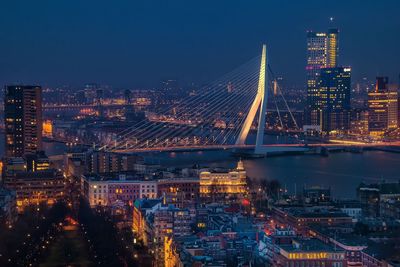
334 99
322 52
143 208
292 251
223 186
300 218
34 187
108 191
104 162
23 120
181 192
33 180
382 107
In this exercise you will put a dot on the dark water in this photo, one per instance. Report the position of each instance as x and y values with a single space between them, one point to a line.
343 172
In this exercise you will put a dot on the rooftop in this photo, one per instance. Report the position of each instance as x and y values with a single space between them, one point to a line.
179 180
112 176
45 174
348 239
317 213
310 245
145 203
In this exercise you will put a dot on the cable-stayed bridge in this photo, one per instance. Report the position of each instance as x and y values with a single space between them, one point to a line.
221 115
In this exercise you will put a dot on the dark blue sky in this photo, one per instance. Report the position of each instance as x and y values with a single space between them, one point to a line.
136 43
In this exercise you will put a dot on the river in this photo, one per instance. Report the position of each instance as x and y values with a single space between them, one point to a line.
342 172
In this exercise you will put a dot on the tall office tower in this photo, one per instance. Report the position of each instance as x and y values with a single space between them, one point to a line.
128 96
382 107
334 96
91 92
23 120
322 52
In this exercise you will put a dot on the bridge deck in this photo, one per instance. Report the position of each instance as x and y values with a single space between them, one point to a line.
265 148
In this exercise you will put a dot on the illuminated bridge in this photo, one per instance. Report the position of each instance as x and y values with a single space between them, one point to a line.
220 116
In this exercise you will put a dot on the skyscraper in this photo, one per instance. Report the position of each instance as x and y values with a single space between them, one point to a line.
128 96
382 107
334 98
322 52
23 120
91 92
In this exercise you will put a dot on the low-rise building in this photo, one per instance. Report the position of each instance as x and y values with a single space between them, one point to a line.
170 220
390 208
300 218
374 196
223 186
33 181
352 244
37 187
145 168
157 224
98 162
75 167
283 248
181 192
310 252
351 208
76 161
37 162
317 194
142 210
116 189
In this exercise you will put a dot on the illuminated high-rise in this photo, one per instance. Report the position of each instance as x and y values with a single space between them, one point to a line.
23 120
382 107
334 99
322 52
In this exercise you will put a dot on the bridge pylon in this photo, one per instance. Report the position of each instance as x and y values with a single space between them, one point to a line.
259 104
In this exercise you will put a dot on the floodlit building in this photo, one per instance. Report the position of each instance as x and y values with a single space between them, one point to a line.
382 107
47 128
216 186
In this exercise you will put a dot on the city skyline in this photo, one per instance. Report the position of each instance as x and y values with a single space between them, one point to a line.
175 134
134 45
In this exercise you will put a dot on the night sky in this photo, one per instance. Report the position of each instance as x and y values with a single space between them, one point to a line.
137 43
